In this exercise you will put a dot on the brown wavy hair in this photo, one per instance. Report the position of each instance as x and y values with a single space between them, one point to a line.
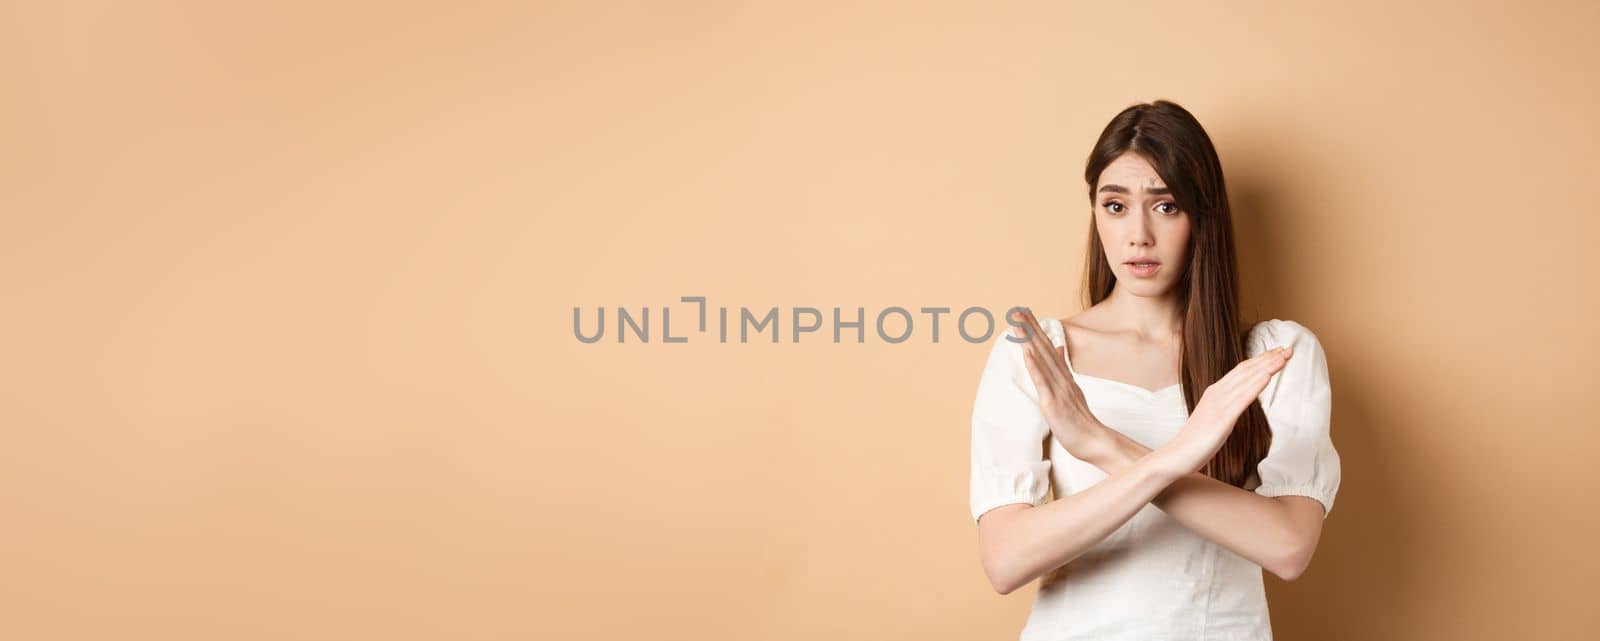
1175 144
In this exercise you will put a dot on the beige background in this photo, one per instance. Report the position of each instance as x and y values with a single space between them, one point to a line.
287 334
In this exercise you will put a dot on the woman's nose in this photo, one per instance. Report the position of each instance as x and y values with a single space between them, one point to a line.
1141 233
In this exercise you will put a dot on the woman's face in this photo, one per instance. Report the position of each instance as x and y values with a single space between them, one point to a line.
1138 221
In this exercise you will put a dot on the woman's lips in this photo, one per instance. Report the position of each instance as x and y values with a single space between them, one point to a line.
1145 271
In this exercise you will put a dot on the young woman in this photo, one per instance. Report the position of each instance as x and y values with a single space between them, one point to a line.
1186 451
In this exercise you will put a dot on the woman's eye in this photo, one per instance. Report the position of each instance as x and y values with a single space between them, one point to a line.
1173 206
1114 207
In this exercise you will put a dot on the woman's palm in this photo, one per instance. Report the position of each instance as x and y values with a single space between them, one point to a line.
1219 408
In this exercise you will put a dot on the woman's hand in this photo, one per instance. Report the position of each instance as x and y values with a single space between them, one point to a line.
1219 408
1060 400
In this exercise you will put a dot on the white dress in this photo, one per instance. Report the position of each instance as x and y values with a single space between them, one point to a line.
1152 578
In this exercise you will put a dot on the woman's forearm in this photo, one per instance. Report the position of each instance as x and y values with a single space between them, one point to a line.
1279 534
1024 542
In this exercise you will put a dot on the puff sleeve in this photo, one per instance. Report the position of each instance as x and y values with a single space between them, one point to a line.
1298 402
1008 434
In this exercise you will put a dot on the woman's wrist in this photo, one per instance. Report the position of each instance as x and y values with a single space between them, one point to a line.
1172 463
1104 448
1185 453
1114 451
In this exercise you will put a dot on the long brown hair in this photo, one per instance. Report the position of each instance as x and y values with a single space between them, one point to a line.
1175 144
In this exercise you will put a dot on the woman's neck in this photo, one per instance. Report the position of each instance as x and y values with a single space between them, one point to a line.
1150 317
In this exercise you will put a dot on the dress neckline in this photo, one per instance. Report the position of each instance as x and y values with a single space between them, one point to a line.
1141 390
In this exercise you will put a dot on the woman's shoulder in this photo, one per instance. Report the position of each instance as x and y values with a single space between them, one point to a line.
1278 332
1087 323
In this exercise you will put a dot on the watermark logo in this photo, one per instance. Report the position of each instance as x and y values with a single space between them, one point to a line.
893 324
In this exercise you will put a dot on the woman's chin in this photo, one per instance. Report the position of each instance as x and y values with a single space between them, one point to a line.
1147 287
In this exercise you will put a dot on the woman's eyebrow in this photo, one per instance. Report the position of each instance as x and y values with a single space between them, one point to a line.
1123 190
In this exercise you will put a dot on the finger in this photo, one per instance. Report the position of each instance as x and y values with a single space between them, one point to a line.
1245 367
1041 341
1250 367
1251 380
1276 352
1041 382
1269 360
1046 379
1276 365
1018 320
1018 331
1045 346
1026 347
1029 335
1256 371
1262 374
1066 380
1029 330
1061 358
1035 333
1247 380
1274 359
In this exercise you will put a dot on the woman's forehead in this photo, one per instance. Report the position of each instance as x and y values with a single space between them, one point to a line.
1133 173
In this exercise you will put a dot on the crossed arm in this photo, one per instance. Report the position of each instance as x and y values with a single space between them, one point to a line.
1022 542
1279 534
